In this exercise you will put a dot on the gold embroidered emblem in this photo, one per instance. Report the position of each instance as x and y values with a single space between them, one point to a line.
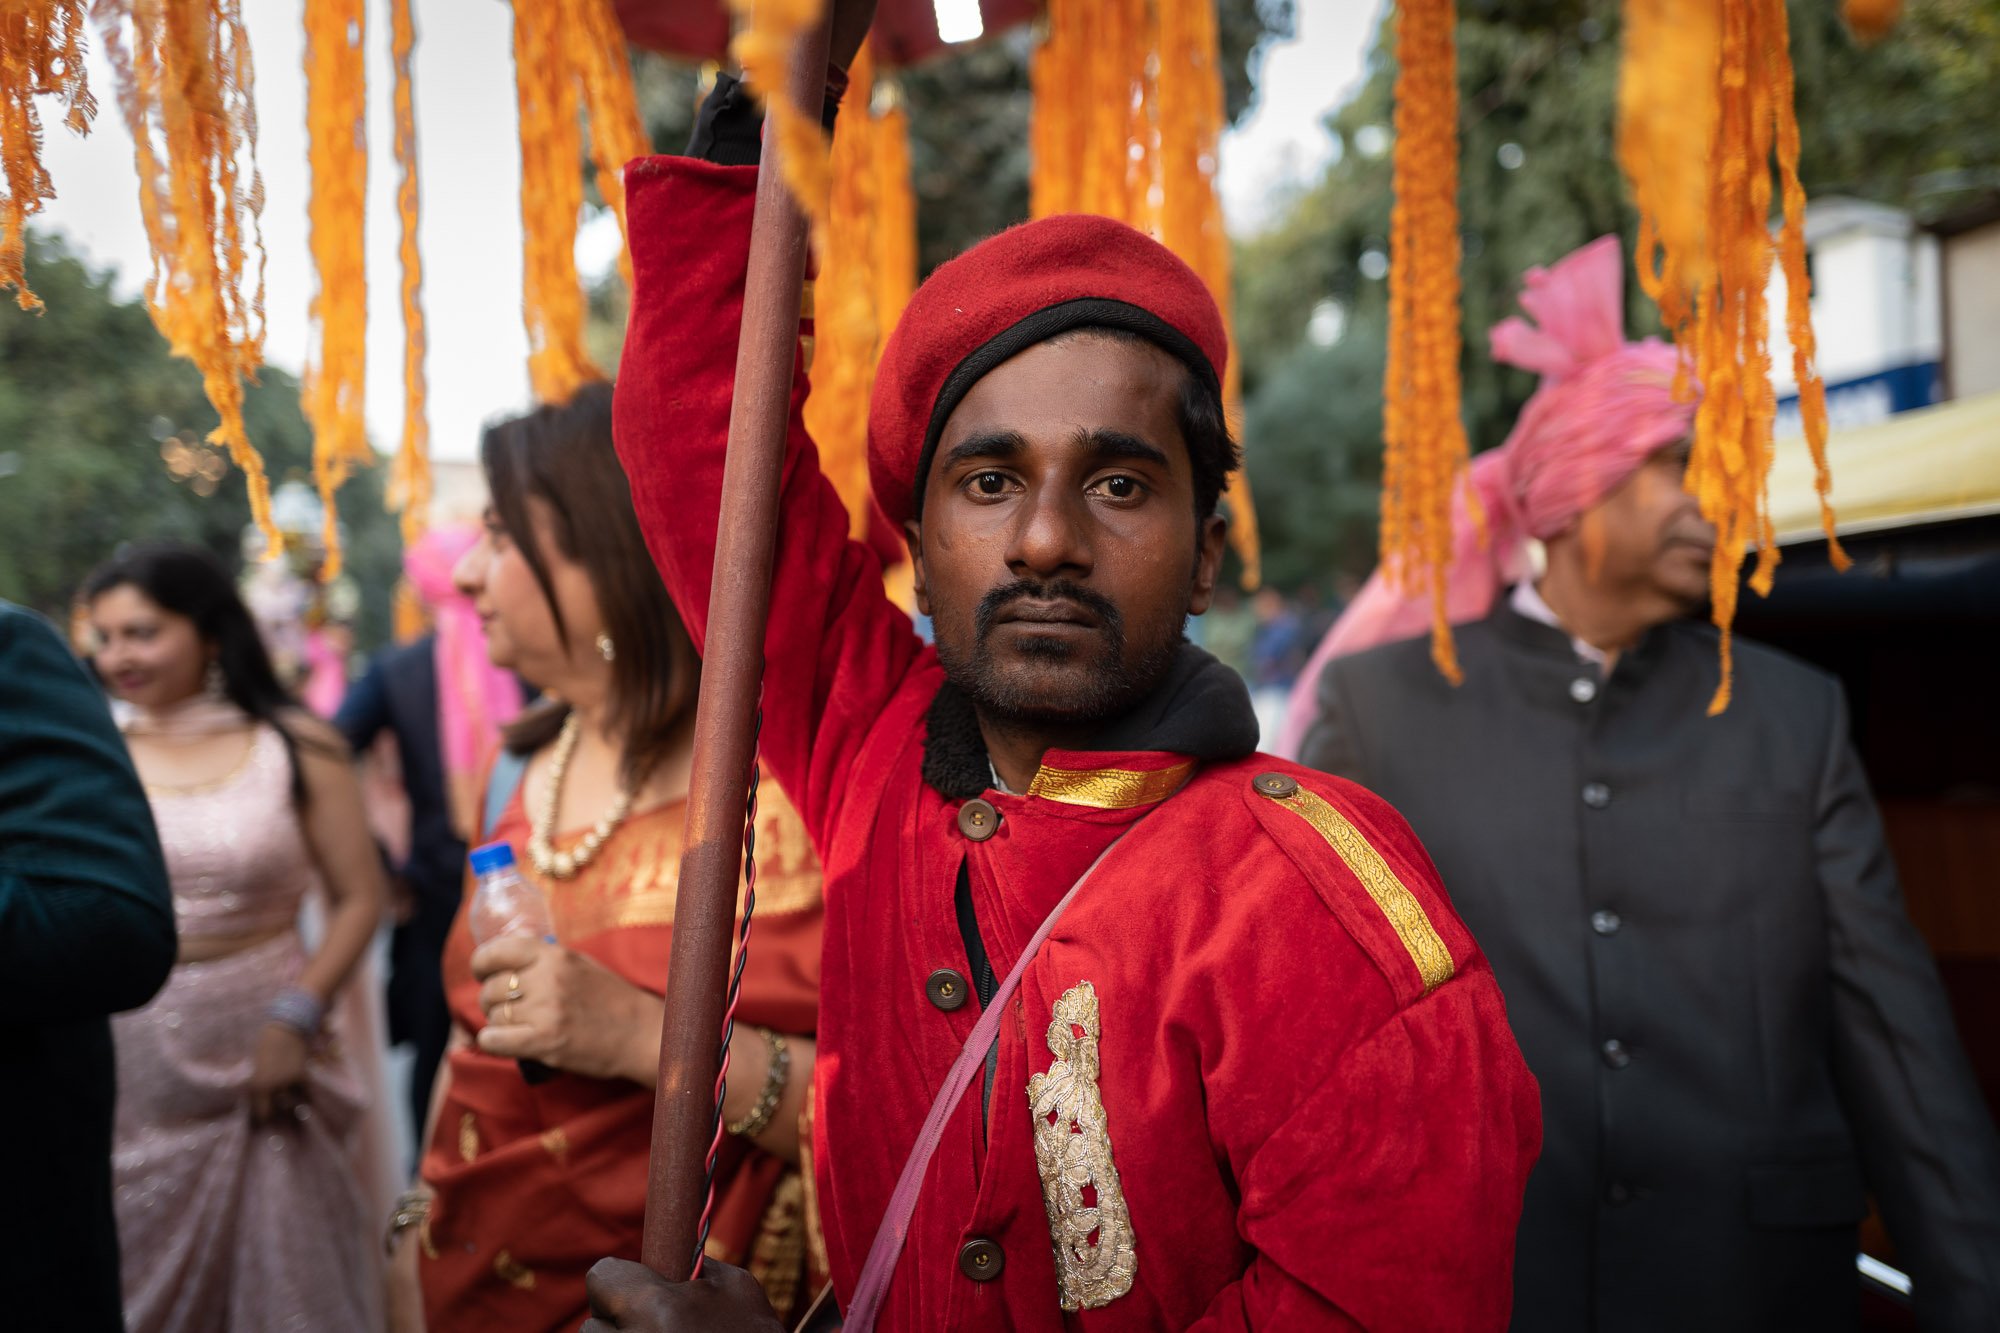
1089 1223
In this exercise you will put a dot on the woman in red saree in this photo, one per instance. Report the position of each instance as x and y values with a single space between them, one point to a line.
525 1184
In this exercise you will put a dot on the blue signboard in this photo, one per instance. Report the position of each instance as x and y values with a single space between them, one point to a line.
1869 398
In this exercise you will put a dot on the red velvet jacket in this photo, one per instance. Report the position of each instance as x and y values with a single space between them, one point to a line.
1298 1079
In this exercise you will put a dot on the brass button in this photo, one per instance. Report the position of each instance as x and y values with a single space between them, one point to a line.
981 1260
978 820
1277 786
947 989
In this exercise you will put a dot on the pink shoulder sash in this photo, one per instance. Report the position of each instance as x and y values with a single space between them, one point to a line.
880 1265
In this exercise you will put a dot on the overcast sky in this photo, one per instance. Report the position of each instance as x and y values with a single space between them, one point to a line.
469 174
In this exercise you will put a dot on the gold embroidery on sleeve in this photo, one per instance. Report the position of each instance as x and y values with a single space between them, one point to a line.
1406 915
513 1271
468 1137
1089 1224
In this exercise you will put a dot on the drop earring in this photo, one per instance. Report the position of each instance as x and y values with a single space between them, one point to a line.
213 682
606 649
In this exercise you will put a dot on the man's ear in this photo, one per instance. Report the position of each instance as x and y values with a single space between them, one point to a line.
913 533
1207 562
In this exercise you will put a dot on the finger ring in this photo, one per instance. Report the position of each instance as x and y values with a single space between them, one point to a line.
513 985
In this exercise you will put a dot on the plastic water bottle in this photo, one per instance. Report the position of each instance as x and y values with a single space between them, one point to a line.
504 903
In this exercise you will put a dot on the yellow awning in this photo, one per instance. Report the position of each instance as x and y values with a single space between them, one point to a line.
1917 467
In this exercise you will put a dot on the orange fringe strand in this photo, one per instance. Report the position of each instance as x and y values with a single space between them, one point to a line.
1424 448
1127 118
895 209
567 53
184 79
847 338
410 475
1188 93
1705 256
41 55
865 278
763 50
409 616
551 197
1870 20
617 134
337 143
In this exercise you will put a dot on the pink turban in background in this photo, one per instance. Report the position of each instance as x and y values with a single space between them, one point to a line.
1604 406
474 696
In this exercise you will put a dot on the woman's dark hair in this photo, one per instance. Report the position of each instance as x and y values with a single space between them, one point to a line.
189 581
563 456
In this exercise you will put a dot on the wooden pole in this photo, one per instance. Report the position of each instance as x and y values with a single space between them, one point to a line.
732 672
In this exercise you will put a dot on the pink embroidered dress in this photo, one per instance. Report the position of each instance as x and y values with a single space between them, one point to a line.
226 1226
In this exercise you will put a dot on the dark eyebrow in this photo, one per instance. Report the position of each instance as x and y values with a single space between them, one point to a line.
986 444
1108 444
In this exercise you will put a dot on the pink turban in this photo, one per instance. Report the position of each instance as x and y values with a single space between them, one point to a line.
1604 406
474 696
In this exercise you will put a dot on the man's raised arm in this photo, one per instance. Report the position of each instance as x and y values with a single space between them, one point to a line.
833 633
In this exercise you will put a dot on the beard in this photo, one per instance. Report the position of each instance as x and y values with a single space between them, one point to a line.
1056 681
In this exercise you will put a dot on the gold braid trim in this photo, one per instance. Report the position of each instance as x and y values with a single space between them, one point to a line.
1406 915
1109 788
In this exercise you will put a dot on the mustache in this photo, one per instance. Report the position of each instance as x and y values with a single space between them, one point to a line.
1055 590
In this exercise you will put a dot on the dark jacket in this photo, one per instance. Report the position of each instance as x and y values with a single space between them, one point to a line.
1707 961
399 693
86 929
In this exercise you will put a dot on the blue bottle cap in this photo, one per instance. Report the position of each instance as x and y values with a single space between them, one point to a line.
493 856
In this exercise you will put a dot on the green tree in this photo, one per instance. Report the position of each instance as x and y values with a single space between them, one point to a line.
89 395
1913 121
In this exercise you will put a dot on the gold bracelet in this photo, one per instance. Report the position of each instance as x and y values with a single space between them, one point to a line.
413 1207
759 1119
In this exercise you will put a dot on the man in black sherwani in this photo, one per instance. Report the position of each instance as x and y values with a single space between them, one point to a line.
1739 1034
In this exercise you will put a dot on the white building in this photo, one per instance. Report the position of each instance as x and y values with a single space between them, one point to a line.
1877 315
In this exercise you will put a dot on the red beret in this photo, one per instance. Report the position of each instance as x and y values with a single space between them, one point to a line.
1007 293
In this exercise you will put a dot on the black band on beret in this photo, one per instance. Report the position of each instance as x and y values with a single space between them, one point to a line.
1086 312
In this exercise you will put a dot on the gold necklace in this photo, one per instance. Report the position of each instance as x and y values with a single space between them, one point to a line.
541 849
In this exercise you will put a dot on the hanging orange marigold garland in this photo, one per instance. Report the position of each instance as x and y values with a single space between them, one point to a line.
337 145
41 55
847 336
1424 447
895 209
551 196
184 77
1188 94
1706 106
410 476
1128 116
763 50
568 54
617 134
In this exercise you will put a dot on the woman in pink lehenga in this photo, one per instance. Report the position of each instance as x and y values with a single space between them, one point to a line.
237 1202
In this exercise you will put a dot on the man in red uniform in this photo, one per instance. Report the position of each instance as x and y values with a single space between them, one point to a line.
1259 1075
